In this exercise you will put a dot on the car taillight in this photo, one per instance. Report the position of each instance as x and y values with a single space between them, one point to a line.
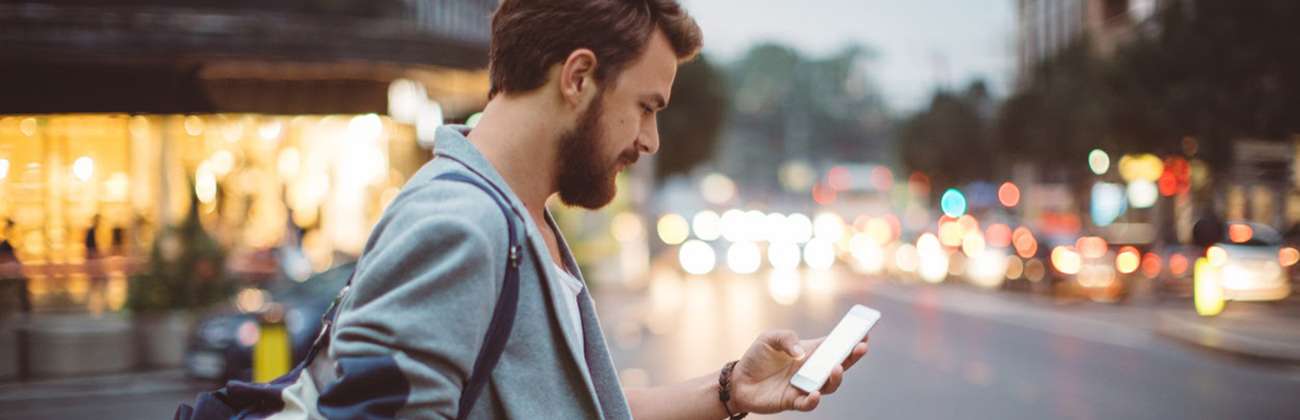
1288 256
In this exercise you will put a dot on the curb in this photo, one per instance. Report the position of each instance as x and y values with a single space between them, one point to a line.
111 385
1200 333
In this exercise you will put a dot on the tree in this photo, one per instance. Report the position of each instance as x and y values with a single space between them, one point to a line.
1218 71
790 107
689 129
950 140
1062 115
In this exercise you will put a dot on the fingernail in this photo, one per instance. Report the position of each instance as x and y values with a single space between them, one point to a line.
798 351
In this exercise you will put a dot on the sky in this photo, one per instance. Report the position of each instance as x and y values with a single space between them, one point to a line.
920 44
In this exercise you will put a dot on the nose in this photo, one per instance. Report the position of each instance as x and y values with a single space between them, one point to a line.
648 142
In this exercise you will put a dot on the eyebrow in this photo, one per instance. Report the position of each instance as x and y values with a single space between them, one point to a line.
657 99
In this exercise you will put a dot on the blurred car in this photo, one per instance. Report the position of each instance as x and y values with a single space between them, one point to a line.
1247 264
1098 279
1174 269
1086 269
221 346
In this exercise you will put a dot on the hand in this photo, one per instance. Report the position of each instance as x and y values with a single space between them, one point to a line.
760 382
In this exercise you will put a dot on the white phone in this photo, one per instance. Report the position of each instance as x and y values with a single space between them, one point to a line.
837 346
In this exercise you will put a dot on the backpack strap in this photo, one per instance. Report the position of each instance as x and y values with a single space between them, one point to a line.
503 317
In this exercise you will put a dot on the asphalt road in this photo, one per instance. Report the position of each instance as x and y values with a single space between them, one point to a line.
946 352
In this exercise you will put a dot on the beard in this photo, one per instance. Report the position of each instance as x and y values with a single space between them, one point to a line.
584 176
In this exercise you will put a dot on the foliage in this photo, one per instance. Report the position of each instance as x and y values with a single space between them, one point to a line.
689 129
186 271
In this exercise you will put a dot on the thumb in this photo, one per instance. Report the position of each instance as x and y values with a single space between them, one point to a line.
786 341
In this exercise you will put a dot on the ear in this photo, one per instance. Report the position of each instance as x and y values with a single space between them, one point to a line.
578 77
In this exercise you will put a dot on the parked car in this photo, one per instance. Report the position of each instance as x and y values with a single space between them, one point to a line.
221 346
1247 264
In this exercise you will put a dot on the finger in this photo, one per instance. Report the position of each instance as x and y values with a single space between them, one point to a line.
784 340
833 382
807 402
859 350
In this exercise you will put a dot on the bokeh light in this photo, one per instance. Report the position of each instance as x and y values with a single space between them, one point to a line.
998 235
717 189
1142 194
1091 246
1128 260
972 244
1151 265
1178 264
933 260
783 255
744 257
953 203
1288 256
828 227
1026 245
784 286
707 225
1066 260
1009 194
819 254
1035 270
673 229
1015 267
905 258
987 268
1098 161
868 256
1240 232
697 257
799 228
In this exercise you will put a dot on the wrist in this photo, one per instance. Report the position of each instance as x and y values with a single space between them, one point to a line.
726 392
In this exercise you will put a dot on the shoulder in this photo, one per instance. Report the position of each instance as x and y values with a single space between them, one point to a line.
430 200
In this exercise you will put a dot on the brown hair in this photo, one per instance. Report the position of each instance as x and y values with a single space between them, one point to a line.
530 36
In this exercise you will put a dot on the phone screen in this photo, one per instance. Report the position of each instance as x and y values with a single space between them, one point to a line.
837 346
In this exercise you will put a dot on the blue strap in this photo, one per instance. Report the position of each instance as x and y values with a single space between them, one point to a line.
503 318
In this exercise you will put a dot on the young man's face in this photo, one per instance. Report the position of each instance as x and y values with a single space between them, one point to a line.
617 127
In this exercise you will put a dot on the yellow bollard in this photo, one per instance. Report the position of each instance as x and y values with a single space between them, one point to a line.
1206 293
273 353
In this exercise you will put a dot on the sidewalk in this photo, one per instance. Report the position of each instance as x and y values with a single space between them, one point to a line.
1258 330
98 386
153 394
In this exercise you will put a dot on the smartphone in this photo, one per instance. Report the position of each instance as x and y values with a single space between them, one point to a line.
837 346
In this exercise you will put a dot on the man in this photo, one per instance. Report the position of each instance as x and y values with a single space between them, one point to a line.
576 85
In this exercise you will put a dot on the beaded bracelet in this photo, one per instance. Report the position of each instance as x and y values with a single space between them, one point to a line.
724 390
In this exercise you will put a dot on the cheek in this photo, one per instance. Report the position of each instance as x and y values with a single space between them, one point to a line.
621 131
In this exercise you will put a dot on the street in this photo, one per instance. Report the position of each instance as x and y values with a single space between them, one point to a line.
940 352
943 352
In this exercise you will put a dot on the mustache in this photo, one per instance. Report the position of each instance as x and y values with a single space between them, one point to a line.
629 158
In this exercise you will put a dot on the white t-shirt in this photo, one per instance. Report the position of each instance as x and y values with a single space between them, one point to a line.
573 287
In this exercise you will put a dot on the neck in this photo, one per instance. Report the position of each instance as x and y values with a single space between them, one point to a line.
520 143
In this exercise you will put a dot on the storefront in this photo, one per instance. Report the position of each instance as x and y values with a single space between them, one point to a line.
288 128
